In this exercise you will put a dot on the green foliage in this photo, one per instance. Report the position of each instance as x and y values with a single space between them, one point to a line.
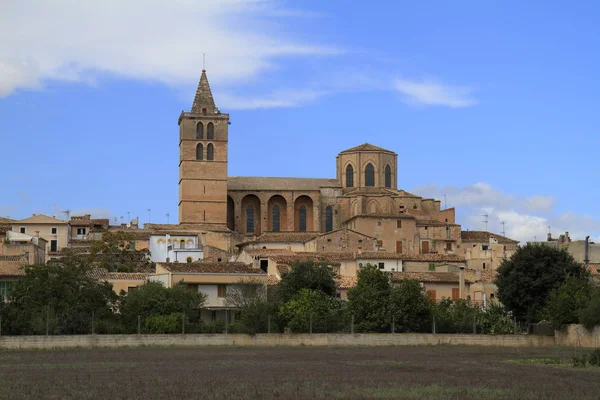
369 300
216 326
115 253
410 307
60 296
164 323
325 311
580 361
526 280
565 302
153 299
306 275
589 315
585 360
495 320
455 317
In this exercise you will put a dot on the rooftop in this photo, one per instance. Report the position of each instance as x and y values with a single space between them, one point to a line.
431 277
103 274
12 266
40 219
484 237
366 147
251 183
211 268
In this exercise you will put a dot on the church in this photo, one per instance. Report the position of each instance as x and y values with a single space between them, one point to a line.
363 198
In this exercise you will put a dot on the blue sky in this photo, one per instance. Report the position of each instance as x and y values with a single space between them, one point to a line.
492 103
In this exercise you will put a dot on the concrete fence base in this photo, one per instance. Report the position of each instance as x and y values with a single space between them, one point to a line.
268 340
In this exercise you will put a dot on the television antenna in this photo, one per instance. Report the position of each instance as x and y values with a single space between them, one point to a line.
503 223
485 221
67 214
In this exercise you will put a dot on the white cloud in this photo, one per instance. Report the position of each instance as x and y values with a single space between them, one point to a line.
526 218
434 93
143 39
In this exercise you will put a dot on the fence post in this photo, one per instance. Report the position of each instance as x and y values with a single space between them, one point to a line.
226 320
474 326
92 322
139 324
352 325
434 324
268 323
0 325
310 323
393 324
47 318
183 323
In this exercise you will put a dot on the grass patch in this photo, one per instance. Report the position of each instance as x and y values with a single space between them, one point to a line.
436 392
375 363
540 361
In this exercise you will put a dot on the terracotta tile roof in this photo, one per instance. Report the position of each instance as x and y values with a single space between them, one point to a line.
103 274
433 222
346 282
349 231
329 258
371 190
251 183
40 219
366 147
204 98
594 268
272 280
6 220
380 216
431 277
4 228
283 237
374 255
212 268
258 252
12 266
283 269
484 237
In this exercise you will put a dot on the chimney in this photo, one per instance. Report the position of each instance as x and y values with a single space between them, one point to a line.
461 283
587 251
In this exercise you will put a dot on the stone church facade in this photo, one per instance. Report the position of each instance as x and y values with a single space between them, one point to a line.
363 197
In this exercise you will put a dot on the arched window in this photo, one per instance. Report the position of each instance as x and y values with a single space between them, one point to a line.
328 219
182 244
276 218
199 152
388 176
302 217
199 131
210 131
250 219
189 260
349 176
210 152
369 175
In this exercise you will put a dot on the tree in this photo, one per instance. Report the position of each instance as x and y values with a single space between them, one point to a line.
307 275
116 252
58 296
589 315
250 298
153 299
410 307
312 306
369 300
565 302
526 280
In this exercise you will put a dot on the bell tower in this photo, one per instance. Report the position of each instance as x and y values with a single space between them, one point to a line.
203 138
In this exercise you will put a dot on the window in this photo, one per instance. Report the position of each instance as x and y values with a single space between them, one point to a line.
369 175
381 265
328 219
432 267
199 131
328 240
219 259
359 240
388 176
264 265
192 287
210 131
485 247
80 231
448 245
189 260
131 289
431 295
302 217
276 219
399 247
455 293
250 219
448 232
425 228
54 230
182 244
132 246
483 265
398 223
199 152
380 243
492 296
210 152
349 176
221 290
424 247
54 245
22 230
4 290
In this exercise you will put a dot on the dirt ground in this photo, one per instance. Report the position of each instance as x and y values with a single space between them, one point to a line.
441 372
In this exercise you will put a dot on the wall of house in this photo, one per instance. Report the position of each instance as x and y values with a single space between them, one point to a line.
341 240
492 257
386 230
273 339
388 265
45 232
122 284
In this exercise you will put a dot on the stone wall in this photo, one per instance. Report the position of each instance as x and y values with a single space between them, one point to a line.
267 340
578 336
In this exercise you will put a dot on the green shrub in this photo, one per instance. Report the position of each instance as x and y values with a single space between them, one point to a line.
594 358
216 326
580 361
163 323
589 316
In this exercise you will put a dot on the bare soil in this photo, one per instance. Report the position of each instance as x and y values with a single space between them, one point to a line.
441 372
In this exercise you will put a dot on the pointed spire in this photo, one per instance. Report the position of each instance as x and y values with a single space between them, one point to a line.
204 102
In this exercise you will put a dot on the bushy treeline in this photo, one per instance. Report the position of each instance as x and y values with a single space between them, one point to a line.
305 300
